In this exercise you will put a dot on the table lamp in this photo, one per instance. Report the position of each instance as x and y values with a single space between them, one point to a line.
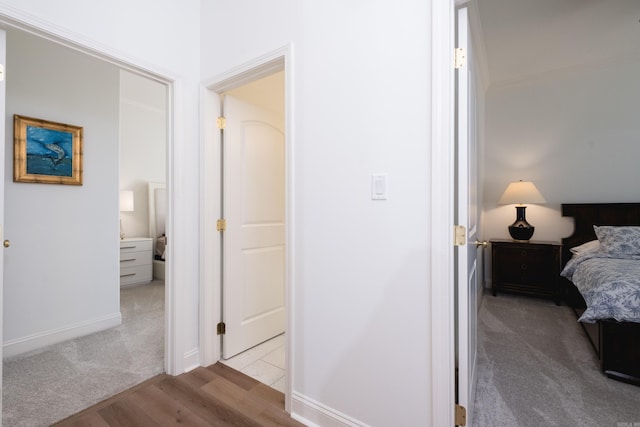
126 205
519 193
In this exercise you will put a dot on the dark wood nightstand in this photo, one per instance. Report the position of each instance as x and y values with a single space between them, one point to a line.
531 268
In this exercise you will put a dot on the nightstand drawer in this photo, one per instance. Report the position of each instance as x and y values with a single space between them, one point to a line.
524 274
133 259
531 255
135 245
138 274
526 267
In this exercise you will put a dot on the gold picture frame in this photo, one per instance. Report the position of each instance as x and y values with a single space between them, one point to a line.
46 152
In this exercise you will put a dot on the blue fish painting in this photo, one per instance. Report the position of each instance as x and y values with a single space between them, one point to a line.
49 152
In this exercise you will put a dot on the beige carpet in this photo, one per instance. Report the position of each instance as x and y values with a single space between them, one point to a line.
48 385
536 368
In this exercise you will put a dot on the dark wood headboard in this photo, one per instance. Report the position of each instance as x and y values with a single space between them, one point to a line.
586 215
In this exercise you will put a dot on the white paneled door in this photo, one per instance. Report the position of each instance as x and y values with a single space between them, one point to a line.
254 241
466 215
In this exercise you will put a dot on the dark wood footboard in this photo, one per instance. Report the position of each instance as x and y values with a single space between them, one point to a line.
620 350
617 344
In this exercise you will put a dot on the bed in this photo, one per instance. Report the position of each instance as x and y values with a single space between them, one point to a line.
157 226
616 342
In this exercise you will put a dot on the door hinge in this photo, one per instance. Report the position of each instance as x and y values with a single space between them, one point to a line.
221 122
221 328
221 224
460 58
459 235
461 415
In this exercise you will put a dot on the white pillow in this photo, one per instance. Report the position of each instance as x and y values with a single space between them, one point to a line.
591 246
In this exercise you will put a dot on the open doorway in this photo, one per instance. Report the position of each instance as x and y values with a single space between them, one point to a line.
245 82
61 280
253 243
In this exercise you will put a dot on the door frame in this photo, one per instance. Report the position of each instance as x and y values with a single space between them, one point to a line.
3 97
11 18
210 196
442 195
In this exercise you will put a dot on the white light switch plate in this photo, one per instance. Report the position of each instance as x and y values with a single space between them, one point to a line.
379 186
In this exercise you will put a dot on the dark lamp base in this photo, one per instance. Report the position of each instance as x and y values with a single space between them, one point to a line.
521 230
521 233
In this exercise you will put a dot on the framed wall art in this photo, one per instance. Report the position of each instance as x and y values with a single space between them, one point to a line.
46 152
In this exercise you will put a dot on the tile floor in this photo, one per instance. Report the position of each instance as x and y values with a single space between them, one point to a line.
264 362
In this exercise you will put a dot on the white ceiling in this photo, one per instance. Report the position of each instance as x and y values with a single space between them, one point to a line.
524 38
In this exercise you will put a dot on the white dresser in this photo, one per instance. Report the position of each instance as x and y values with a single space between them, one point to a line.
135 260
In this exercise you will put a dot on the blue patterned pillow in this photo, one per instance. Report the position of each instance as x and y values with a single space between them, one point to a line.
620 240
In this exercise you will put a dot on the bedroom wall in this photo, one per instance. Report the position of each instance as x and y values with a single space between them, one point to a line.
62 265
361 280
574 133
143 136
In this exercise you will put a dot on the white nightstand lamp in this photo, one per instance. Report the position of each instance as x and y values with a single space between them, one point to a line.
126 205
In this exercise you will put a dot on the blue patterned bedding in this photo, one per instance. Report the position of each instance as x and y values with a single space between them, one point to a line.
610 286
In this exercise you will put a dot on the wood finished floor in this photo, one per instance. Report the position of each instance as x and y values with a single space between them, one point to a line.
212 396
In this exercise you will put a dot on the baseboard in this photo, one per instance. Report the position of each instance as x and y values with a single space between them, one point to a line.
191 360
54 336
315 414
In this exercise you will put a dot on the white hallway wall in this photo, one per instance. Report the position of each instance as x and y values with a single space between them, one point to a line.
158 40
60 270
352 275
361 277
574 133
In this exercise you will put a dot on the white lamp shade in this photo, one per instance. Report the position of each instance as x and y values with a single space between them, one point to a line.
521 192
126 201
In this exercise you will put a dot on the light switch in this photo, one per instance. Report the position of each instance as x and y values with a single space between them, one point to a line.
379 186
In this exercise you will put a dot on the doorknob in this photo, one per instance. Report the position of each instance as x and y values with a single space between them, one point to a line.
6 243
479 243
